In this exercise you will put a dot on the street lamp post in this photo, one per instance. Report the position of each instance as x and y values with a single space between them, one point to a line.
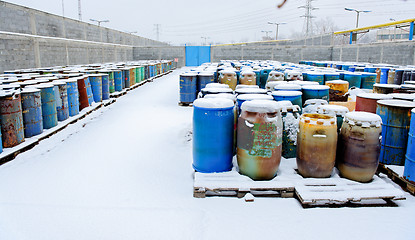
358 13
99 21
206 38
266 32
277 25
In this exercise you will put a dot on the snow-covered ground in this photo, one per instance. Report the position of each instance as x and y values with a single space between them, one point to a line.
124 172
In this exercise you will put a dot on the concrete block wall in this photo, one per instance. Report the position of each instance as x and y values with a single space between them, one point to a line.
160 53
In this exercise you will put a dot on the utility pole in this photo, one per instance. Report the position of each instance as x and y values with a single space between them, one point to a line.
276 24
63 9
266 33
206 38
79 10
157 28
308 26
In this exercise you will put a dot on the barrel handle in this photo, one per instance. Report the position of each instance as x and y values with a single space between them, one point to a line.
319 136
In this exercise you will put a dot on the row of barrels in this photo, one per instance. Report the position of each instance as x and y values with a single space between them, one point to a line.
394 115
31 102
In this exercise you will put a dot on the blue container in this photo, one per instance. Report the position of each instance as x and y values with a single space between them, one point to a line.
263 77
345 67
96 85
1 143
105 87
409 171
304 76
315 92
287 87
295 97
354 79
188 87
32 112
203 79
49 113
213 134
368 79
370 69
118 80
352 69
89 91
341 75
61 97
331 76
73 96
395 116
384 75
316 77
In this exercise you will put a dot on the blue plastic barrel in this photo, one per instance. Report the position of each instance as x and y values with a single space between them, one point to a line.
370 69
213 134
204 78
49 113
118 80
188 87
263 77
315 92
331 76
395 116
32 112
96 85
352 69
316 77
384 75
295 97
73 96
368 80
61 97
89 91
354 79
409 171
105 87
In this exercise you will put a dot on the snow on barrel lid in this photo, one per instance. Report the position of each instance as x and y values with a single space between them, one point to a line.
403 96
315 102
58 83
383 85
332 109
397 103
71 80
287 86
189 74
250 91
365 119
228 71
30 89
239 86
249 97
303 83
44 85
287 93
408 86
213 103
221 95
261 106
206 73
378 96
316 87
216 85
337 82
216 90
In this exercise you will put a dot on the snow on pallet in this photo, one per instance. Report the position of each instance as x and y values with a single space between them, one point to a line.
311 192
396 174
340 191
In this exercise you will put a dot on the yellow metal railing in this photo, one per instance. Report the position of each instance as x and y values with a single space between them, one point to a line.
377 26
269 41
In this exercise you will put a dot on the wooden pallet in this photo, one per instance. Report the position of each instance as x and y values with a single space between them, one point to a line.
118 94
109 102
183 104
397 178
340 192
232 184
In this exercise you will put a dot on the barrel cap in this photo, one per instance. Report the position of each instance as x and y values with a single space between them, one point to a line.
365 119
248 97
316 87
228 71
287 93
332 110
239 86
213 103
250 91
397 103
261 106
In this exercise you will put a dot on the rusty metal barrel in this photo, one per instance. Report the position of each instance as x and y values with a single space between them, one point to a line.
83 96
11 118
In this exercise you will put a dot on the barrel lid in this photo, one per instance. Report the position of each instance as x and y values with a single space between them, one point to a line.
332 109
8 93
315 73
287 86
287 93
58 83
250 91
206 73
213 103
353 73
410 82
29 89
240 86
290 108
403 96
248 97
407 86
315 102
217 85
368 74
383 85
216 90
316 87
397 103
10 80
71 80
318 119
43 85
29 82
365 119
49 78
377 96
337 82
302 83
248 72
332 73
221 95
261 106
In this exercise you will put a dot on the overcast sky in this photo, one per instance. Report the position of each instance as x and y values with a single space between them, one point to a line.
190 21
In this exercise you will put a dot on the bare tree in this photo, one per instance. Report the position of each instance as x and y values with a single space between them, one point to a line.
323 26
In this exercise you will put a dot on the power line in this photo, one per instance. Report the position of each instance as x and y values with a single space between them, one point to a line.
157 28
